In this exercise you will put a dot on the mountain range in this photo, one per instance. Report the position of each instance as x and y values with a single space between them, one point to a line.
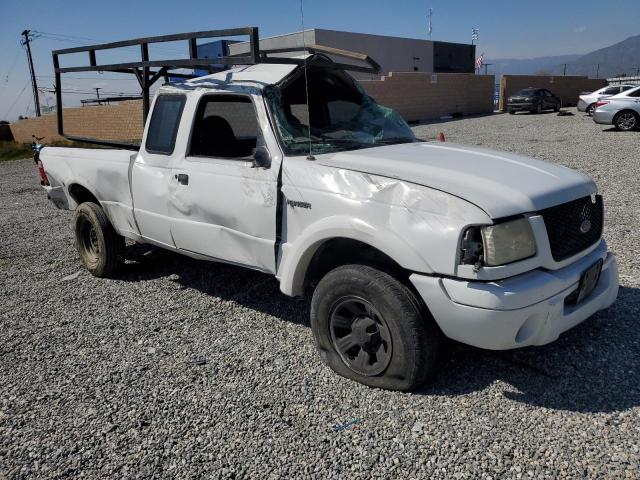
620 58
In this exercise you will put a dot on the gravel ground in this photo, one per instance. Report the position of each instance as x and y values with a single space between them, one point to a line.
186 369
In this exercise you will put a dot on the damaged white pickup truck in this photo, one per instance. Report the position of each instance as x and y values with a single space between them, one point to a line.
399 242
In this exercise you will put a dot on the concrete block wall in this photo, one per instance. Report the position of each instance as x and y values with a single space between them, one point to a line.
414 95
567 87
424 96
122 121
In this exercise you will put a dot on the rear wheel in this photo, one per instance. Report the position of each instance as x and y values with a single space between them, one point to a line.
371 328
590 109
100 247
539 108
626 121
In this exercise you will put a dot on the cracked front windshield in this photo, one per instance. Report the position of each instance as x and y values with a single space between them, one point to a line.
342 116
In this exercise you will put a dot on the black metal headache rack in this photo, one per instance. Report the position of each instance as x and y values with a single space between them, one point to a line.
148 72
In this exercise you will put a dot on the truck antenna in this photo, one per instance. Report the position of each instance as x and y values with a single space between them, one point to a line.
306 81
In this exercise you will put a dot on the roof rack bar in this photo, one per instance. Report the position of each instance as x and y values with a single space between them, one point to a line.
231 32
147 74
172 63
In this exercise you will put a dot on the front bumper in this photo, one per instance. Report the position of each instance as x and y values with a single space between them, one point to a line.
527 309
521 107
582 105
603 117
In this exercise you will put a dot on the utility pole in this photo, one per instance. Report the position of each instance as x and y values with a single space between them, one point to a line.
565 69
486 65
97 89
637 71
598 71
34 84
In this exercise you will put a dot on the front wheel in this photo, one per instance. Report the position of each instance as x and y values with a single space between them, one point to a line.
371 328
100 247
626 121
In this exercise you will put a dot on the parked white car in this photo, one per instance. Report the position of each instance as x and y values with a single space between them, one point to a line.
398 242
587 101
622 110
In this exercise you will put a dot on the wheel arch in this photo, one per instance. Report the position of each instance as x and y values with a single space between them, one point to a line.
80 194
626 110
334 242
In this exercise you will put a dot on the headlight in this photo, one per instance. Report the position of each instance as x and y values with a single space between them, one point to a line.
508 242
493 245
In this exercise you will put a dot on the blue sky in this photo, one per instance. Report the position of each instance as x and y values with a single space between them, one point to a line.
518 29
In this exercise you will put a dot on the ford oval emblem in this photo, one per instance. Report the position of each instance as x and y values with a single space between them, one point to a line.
585 226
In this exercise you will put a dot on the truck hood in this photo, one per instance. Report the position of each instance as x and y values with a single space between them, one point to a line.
501 184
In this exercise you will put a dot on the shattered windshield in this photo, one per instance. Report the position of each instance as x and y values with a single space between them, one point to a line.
341 115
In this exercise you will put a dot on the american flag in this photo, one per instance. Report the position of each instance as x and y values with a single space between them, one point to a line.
480 61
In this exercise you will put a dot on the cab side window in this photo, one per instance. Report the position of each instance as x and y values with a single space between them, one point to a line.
225 127
165 120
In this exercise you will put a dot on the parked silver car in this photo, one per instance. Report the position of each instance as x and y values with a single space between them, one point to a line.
587 101
622 110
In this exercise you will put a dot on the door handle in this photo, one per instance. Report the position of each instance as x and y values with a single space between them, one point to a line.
183 178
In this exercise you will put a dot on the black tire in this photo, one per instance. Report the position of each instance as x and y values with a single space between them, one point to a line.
538 109
402 357
512 112
590 109
626 121
100 247
556 107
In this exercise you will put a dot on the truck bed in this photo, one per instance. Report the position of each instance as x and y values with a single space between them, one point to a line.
104 173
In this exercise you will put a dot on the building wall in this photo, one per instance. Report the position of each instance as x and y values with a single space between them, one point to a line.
421 96
566 87
454 57
414 95
122 121
394 54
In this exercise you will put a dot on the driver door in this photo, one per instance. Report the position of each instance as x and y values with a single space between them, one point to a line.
221 206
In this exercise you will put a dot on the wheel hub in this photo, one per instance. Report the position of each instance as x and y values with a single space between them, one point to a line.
361 336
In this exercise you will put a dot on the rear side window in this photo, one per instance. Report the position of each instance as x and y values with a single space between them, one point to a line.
165 119
635 93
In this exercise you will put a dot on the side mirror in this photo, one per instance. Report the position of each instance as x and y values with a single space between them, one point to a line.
261 157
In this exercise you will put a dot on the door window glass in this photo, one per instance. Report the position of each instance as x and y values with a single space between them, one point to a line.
226 126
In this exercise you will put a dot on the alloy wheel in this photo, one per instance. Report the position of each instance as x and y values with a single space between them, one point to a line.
360 335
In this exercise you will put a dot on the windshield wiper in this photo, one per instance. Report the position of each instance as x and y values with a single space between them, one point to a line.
395 140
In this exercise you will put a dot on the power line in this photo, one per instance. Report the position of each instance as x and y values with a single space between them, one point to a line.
91 79
13 64
17 99
83 40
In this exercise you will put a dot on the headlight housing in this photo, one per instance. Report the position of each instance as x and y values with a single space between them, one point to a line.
499 244
508 242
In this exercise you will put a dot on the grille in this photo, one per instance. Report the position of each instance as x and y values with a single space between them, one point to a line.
567 226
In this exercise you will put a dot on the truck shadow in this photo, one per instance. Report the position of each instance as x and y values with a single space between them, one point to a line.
594 367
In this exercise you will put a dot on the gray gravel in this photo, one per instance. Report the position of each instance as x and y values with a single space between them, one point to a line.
186 369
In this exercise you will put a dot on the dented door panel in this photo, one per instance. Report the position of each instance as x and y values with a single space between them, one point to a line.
225 209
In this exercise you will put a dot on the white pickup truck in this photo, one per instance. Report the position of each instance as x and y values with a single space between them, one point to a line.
399 242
